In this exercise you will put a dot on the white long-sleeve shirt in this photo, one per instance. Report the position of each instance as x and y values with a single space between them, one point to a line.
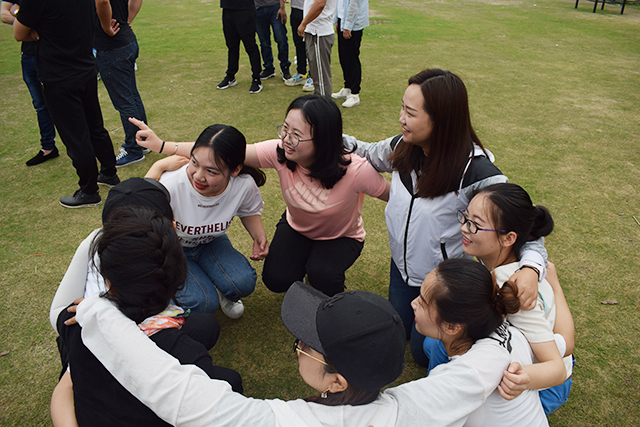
185 396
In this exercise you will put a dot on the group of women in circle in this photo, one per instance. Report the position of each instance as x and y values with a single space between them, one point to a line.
447 202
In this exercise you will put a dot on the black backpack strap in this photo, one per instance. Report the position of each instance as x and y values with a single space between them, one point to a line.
395 141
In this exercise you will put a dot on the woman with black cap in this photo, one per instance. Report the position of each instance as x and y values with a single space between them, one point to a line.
349 346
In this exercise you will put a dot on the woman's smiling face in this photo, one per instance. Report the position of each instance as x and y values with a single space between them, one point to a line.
416 122
208 178
484 245
304 153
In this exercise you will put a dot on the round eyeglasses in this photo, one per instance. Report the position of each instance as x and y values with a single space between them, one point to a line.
297 349
294 139
472 226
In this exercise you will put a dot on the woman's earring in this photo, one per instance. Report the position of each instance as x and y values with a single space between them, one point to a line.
324 393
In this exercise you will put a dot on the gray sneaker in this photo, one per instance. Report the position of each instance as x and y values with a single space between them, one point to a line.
81 200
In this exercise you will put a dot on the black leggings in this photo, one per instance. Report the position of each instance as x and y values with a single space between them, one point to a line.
292 255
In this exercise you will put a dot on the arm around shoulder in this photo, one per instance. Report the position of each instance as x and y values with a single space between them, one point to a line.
179 394
564 320
376 153
73 283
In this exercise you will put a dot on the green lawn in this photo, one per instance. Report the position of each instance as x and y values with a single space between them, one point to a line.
554 94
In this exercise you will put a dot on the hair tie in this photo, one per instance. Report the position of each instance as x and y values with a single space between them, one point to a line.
161 147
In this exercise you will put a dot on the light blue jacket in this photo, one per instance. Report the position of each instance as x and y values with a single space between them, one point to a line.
356 15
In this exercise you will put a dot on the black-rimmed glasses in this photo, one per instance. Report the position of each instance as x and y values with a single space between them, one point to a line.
294 139
472 226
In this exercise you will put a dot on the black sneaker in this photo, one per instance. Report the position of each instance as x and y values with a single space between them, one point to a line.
81 200
227 82
41 157
256 87
109 181
267 74
286 75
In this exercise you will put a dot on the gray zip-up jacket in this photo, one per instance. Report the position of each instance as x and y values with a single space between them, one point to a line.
423 232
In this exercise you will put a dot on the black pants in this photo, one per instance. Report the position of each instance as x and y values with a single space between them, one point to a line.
301 51
75 110
349 54
240 25
292 255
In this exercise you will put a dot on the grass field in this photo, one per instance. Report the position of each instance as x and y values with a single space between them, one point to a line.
554 93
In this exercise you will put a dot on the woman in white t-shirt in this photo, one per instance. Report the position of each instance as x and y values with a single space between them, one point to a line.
459 304
206 193
500 219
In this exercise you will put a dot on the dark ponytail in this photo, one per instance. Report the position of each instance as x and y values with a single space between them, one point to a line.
229 147
512 210
466 293
142 258
542 225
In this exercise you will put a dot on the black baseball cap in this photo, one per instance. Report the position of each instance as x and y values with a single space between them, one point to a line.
359 332
145 192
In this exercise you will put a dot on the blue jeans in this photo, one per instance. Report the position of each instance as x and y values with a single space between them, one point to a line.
215 265
400 297
45 123
267 17
116 69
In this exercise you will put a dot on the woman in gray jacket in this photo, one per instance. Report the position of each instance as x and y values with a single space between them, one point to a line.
437 163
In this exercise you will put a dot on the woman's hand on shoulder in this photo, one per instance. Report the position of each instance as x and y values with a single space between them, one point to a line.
73 309
527 281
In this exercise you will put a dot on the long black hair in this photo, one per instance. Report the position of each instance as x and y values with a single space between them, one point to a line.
452 136
229 147
142 259
325 120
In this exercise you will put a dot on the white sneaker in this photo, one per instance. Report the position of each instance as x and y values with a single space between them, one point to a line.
231 309
352 100
308 86
343 94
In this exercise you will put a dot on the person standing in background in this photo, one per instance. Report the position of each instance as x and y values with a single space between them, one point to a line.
351 18
67 69
295 18
271 13
239 24
30 76
317 29
116 53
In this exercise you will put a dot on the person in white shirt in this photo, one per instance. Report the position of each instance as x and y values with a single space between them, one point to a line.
349 346
500 219
351 17
317 29
207 191
459 304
